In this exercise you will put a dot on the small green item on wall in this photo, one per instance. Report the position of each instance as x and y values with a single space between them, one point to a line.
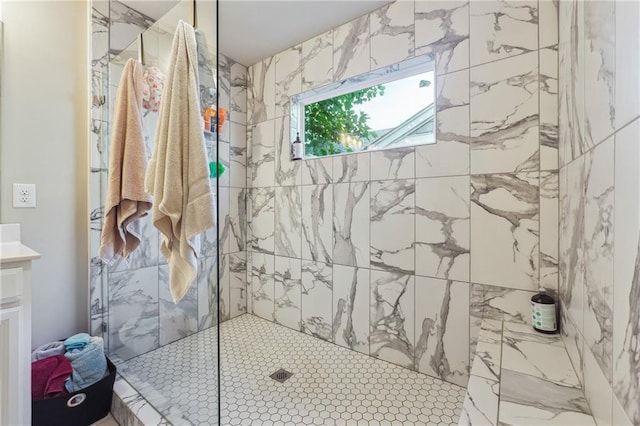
216 169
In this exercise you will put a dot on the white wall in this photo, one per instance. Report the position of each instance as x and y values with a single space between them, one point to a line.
43 140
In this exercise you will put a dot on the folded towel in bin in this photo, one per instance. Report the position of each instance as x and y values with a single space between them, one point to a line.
77 341
47 350
89 365
48 376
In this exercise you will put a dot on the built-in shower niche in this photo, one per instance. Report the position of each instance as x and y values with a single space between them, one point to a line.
139 314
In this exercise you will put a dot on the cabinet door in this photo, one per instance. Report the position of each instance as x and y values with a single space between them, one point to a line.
12 389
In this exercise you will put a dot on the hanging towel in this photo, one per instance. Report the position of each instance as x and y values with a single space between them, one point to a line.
77 341
47 350
89 365
48 377
178 173
126 200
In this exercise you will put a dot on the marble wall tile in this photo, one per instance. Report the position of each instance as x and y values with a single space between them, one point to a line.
223 84
619 416
549 107
504 230
288 172
261 211
261 171
98 299
563 404
238 113
393 225
350 224
237 219
393 164
486 359
237 284
317 222
597 390
146 254
450 154
442 30
351 168
571 234
571 81
480 405
573 342
442 227
288 285
626 290
262 285
99 145
392 33
542 360
598 254
504 115
125 24
627 62
548 23
599 71
261 91
317 171
500 29
288 225
224 229
392 317
176 320
351 308
238 155
549 230
317 290
99 93
207 283
133 312
497 303
249 285
351 49
288 78
442 329
223 288
99 33
317 61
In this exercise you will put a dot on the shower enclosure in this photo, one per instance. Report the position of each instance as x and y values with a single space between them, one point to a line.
131 306
339 289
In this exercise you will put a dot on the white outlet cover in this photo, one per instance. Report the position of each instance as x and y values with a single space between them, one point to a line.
24 195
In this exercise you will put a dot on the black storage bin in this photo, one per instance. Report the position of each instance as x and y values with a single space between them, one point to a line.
79 408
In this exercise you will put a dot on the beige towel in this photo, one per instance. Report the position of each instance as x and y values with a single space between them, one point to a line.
126 199
178 174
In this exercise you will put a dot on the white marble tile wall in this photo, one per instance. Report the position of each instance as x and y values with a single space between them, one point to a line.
469 218
131 297
599 127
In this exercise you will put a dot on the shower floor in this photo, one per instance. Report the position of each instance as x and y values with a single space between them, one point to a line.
330 384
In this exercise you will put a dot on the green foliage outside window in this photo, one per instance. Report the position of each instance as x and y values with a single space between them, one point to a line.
327 123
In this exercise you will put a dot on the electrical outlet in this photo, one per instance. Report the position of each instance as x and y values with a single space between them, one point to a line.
24 195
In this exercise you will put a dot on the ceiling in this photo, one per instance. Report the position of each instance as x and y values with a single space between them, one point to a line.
251 30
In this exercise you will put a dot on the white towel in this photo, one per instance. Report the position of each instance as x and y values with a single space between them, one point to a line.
126 199
178 173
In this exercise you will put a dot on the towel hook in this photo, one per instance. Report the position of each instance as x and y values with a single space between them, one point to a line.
195 15
140 49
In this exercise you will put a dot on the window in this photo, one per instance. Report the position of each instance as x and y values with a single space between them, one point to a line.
388 108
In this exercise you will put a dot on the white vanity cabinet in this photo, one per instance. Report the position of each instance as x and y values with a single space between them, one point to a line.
15 327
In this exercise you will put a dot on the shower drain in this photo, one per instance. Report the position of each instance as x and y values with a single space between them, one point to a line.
281 375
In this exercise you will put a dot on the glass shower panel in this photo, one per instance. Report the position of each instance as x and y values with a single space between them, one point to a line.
157 345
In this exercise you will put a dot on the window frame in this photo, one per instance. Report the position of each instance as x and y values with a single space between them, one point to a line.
398 71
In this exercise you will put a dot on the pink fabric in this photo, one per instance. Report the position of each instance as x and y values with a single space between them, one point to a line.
48 376
152 89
